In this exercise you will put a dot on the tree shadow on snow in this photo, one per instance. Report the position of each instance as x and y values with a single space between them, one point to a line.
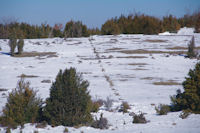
5 53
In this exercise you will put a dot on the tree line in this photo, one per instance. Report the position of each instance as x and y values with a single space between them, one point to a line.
144 24
130 24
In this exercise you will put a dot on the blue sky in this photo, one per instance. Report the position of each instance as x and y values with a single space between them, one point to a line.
93 13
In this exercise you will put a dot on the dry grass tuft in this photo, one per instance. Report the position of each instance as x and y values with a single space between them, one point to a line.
138 64
134 57
27 76
141 51
155 40
170 82
34 54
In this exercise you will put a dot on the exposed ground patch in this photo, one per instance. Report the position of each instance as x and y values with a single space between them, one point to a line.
113 49
46 81
140 69
3 89
27 76
141 51
34 54
137 64
155 40
133 57
170 82
181 48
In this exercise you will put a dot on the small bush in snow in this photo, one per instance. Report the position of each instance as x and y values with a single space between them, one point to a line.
22 106
124 107
95 107
96 104
69 103
162 109
189 99
41 125
184 114
66 130
139 118
108 103
102 123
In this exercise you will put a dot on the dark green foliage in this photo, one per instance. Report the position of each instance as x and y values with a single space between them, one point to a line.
197 25
110 28
69 103
162 109
20 45
22 106
170 24
8 130
189 99
75 29
57 30
139 118
191 49
94 31
102 123
124 107
12 44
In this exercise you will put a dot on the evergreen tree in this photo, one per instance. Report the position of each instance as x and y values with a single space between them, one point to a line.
20 45
189 99
191 49
75 29
197 25
12 43
69 103
110 28
22 106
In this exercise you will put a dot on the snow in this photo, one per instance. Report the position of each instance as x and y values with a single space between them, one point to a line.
132 76
186 31
165 33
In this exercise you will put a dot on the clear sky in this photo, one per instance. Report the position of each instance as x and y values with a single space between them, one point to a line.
93 13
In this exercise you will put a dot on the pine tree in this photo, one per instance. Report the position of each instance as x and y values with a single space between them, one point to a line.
190 98
22 106
191 49
69 103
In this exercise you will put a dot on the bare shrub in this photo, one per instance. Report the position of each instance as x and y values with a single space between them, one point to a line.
139 118
102 123
108 103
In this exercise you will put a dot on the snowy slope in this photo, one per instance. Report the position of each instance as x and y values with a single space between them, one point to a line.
116 67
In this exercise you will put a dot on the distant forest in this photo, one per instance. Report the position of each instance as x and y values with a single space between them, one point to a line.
130 24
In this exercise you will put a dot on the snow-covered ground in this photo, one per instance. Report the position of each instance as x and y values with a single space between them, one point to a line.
128 68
